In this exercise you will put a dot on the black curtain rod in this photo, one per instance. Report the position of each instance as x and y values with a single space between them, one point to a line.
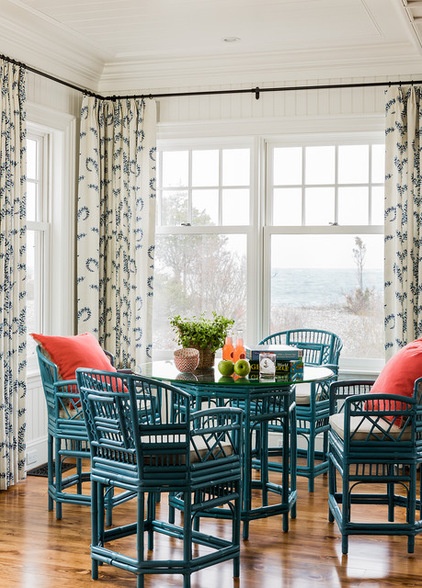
257 90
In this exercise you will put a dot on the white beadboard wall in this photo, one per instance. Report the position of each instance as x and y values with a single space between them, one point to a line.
276 112
294 111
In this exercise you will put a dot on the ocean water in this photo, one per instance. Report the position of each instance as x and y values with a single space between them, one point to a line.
319 287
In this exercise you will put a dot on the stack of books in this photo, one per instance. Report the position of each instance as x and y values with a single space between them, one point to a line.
289 361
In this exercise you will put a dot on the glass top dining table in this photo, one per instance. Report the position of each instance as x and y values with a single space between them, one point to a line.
263 402
166 370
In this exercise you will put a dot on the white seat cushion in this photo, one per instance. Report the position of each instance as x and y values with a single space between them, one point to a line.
364 428
303 393
199 452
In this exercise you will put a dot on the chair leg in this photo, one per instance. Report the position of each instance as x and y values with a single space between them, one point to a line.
311 460
390 494
171 515
79 471
237 509
95 489
50 470
109 506
58 477
187 536
332 488
262 434
140 531
345 544
345 514
151 506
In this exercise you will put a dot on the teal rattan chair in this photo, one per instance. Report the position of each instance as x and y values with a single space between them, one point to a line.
374 450
312 400
67 442
145 439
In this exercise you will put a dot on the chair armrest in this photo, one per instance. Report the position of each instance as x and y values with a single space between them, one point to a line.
66 389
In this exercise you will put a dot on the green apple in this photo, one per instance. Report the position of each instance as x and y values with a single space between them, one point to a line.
226 367
242 367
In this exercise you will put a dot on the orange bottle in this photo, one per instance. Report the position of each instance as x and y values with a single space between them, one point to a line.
239 350
228 348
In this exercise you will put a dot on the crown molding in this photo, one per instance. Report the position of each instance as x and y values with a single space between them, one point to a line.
51 51
154 77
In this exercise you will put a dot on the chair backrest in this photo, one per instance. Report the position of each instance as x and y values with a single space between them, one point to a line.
417 394
342 389
370 423
319 347
64 412
143 428
374 423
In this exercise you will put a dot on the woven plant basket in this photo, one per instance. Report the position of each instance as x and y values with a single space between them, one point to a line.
206 358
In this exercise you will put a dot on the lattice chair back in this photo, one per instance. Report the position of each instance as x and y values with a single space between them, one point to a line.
320 347
64 410
342 389
373 424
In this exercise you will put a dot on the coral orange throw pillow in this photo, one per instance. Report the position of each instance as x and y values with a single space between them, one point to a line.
400 372
70 353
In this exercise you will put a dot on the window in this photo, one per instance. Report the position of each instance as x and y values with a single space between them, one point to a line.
204 223
324 238
301 247
37 238
50 227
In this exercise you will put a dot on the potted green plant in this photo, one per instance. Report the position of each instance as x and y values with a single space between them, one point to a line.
205 334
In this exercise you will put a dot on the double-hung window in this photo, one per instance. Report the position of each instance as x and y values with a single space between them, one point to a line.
324 242
50 226
205 217
277 234
37 238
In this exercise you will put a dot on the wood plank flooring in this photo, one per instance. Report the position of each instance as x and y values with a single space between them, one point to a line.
36 551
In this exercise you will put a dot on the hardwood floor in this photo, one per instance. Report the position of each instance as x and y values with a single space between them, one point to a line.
36 551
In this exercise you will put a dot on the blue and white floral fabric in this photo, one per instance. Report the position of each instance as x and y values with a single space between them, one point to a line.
116 225
403 228
13 267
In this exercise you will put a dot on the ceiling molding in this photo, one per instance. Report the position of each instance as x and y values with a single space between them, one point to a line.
49 50
275 68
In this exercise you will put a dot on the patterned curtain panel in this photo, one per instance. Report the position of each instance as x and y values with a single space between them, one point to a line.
13 267
116 225
403 232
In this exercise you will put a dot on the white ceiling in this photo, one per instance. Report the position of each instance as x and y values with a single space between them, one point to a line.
147 46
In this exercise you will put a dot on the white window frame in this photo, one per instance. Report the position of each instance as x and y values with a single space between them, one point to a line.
57 295
289 131
251 231
41 229
352 365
